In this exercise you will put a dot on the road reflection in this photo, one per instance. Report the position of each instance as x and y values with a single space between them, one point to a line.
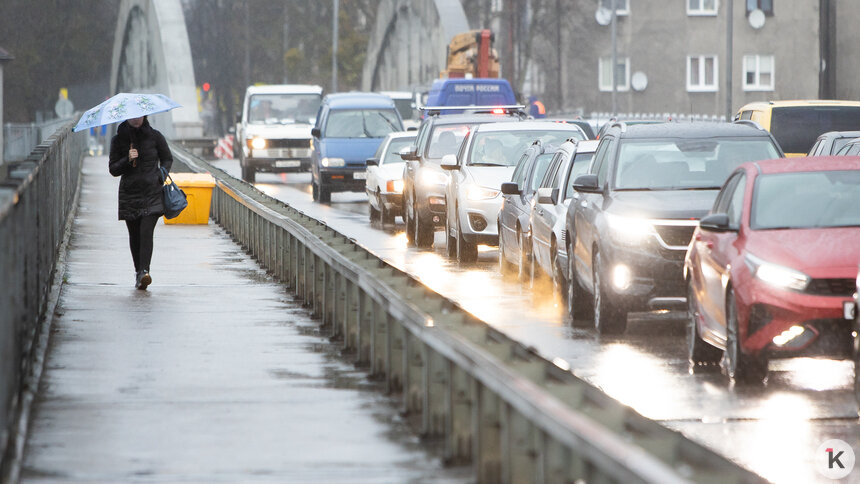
772 429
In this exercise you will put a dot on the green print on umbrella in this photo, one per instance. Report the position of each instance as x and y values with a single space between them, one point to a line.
144 103
115 111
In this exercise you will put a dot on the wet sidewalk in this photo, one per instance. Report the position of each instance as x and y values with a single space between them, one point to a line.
213 374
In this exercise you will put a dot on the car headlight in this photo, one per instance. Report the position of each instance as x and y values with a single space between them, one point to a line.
475 192
430 177
258 143
629 230
330 162
776 275
394 186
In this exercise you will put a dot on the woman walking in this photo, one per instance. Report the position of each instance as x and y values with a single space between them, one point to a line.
136 152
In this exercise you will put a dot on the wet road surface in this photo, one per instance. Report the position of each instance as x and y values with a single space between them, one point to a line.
213 374
773 430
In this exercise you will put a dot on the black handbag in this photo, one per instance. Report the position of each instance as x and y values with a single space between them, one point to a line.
175 200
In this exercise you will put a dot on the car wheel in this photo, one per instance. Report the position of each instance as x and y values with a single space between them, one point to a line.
410 223
325 194
741 367
857 365
523 269
698 351
559 285
315 191
466 251
423 232
249 175
505 267
450 241
374 213
386 214
608 317
578 300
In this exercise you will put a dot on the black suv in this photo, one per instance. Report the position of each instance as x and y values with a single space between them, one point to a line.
640 202
424 181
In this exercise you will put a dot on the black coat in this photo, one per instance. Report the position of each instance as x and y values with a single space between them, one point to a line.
140 188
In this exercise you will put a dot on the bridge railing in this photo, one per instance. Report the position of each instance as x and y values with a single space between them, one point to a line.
37 196
494 402
19 139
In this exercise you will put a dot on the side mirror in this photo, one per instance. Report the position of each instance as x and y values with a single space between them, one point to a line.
547 195
510 188
449 162
315 132
412 128
587 184
371 162
716 222
408 153
238 118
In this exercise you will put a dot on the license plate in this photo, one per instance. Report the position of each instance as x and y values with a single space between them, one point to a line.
288 164
359 175
849 310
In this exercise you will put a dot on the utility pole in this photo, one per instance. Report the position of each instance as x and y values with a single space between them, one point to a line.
334 36
247 45
614 58
286 44
729 58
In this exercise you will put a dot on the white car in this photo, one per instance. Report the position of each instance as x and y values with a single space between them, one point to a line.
487 158
549 211
384 183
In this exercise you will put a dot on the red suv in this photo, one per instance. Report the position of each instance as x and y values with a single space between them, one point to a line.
771 270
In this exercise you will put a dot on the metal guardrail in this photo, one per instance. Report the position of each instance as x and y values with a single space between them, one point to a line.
493 401
36 198
20 139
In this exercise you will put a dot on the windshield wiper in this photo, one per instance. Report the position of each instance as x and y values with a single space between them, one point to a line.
486 164
699 188
395 128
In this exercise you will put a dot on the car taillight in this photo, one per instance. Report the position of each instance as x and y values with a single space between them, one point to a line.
498 111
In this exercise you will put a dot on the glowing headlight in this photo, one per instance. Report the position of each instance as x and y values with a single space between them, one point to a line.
629 230
475 192
776 275
327 162
258 143
394 186
621 277
428 177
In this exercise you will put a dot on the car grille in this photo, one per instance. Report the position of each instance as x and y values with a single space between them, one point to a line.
288 143
675 235
832 287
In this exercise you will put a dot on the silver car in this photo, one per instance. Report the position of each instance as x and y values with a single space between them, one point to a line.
549 209
487 158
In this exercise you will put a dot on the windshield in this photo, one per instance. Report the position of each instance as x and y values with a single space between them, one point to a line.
806 200
581 162
446 140
283 108
504 148
404 107
797 128
361 123
678 164
392 155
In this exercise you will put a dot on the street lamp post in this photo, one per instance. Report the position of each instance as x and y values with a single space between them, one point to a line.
614 33
4 58
729 58
335 9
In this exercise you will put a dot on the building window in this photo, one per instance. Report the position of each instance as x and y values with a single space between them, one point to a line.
758 73
622 7
765 6
496 6
701 7
702 73
622 71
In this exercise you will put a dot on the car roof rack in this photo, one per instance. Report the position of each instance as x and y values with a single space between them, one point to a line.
473 109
